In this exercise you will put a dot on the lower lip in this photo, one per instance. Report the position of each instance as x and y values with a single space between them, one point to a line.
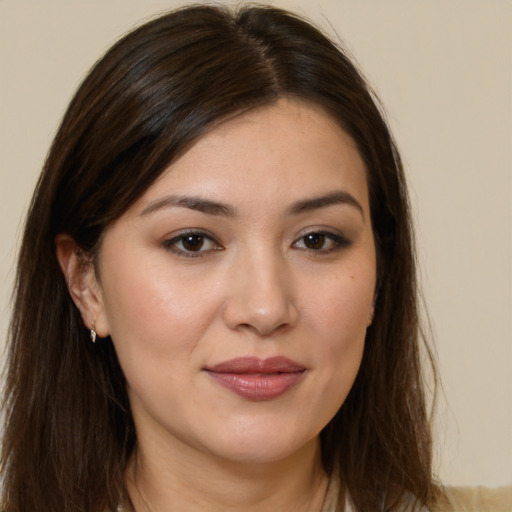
257 386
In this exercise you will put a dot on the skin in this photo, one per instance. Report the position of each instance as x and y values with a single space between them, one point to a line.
254 285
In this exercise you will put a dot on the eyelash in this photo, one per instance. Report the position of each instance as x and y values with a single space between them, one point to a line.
172 244
338 242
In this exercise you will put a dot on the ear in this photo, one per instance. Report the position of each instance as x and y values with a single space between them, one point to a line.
371 314
82 283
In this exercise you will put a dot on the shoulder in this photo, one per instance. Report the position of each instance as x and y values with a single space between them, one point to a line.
460 499
455 499
476 499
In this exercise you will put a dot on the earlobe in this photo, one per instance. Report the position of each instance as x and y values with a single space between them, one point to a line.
371 315
82 284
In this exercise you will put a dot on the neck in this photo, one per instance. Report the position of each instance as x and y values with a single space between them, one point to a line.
159 481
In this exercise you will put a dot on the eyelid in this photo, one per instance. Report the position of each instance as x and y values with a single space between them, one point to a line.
170 243
340 240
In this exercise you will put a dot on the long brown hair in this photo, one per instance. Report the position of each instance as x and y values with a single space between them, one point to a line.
68 426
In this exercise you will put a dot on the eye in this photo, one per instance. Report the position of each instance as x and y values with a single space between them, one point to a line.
192 244
321 241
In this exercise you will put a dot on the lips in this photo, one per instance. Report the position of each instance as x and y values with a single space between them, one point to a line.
257 379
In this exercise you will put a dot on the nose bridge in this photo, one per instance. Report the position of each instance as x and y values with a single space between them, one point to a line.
261 291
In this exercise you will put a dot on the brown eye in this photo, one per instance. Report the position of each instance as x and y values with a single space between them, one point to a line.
192 242
321 242
314 241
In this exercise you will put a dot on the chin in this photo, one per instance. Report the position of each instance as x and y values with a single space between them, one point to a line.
245 446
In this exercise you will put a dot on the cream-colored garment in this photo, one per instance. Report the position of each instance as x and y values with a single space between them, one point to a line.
331 497
457 499
478 499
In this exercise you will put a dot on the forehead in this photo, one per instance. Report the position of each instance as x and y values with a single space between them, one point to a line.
268 155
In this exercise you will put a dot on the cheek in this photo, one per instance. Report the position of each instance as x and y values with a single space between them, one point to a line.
156 312
343 303
338 321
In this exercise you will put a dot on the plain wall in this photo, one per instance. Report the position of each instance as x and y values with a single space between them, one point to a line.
443 69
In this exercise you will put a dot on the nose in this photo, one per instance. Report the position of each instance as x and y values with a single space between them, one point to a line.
260 297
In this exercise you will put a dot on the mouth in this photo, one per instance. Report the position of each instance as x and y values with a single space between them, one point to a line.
257 379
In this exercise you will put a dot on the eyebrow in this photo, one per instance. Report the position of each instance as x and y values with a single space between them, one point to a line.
334 198
210 207
192 203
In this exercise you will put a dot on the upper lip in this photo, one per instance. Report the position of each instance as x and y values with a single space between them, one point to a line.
277 364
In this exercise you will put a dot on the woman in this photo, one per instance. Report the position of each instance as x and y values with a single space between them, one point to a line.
216 299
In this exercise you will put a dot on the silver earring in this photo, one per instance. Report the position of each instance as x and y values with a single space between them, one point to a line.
92 334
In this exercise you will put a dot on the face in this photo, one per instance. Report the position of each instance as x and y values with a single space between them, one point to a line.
238 289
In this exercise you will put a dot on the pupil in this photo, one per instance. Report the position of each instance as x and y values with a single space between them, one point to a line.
193 242
315 241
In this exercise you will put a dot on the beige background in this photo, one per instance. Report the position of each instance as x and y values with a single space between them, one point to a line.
443 69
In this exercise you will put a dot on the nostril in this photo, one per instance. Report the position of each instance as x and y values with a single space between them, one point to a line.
263 329
261 300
